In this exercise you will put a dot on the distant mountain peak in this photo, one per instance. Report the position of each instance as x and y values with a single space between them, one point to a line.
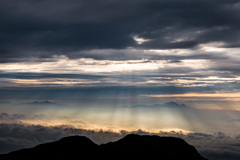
41 103
171 105
130 147
174 103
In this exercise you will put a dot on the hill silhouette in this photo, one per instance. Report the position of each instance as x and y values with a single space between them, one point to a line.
42 103
129 147
172 105
166 106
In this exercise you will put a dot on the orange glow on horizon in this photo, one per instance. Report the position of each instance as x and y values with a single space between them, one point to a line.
200 95
103 128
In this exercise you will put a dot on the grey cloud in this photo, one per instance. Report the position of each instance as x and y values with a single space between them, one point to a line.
199 136
85 94
220 155
130 84
46 28
238 120
12 144
126 54
3 115
6 116
29 75
221 135
39 116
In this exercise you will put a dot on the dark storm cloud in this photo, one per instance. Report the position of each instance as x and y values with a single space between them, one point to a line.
139 54
31 28
137 76
29 75
18 136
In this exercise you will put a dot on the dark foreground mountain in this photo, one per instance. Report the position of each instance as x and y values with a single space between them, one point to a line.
130 147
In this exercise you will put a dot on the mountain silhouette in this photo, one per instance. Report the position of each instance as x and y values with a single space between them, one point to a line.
172 105
130 147
41 103
166 106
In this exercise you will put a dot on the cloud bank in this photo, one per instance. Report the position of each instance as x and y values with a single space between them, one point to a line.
48 28
218 146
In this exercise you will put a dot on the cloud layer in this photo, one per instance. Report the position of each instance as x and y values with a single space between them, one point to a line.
218 146
46 28
148 47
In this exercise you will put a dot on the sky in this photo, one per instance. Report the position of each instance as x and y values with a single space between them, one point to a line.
101 67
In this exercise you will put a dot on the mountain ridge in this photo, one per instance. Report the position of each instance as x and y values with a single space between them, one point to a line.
167 106
130 147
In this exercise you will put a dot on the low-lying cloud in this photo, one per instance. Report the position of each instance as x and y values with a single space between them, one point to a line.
217 146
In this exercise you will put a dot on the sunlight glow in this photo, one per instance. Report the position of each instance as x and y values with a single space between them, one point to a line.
207 95
140 40
65 65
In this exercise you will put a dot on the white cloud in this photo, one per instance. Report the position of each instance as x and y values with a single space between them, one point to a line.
140 40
